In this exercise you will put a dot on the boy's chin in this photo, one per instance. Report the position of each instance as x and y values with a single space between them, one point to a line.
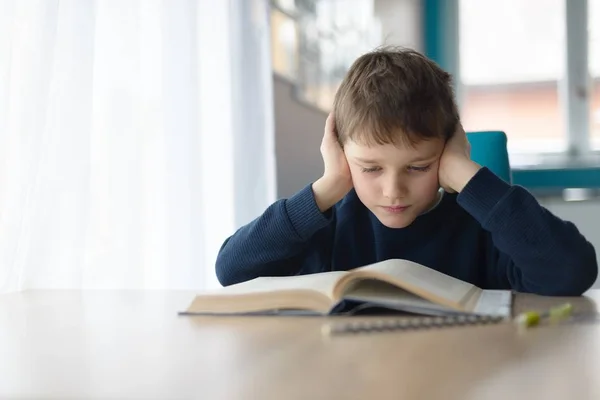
395 221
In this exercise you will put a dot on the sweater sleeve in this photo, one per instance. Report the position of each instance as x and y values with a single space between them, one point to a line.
276 243
537 251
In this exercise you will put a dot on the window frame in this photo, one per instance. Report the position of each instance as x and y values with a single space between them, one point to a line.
579 165
577 85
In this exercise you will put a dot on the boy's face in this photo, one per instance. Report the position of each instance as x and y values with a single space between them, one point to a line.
396 183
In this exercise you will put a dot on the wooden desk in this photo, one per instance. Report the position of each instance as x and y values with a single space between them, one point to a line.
132 345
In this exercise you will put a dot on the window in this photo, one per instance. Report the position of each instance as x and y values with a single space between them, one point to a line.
284 39
594 62
524 70
511 65
314 42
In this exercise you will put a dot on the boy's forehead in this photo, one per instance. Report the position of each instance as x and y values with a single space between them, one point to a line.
421 151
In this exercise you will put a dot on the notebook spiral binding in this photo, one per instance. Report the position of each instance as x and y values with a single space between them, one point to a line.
414 323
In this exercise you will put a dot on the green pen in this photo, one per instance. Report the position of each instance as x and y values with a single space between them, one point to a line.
554 314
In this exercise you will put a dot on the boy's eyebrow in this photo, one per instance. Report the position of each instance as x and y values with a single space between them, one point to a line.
426 158
375 161
365 160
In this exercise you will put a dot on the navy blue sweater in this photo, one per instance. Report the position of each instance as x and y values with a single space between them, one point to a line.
492 234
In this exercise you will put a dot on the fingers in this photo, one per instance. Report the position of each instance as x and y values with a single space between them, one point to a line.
330 136
330 125
449 190
327 133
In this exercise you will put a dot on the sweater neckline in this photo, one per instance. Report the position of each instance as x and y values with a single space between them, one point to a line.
440 196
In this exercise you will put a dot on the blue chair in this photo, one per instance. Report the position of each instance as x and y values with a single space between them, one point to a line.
488 148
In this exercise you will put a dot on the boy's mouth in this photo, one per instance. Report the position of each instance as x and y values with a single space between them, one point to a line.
395 209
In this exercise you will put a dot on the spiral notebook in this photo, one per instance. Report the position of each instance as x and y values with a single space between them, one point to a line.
409 323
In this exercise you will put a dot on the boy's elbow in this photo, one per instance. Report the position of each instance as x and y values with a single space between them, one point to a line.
224 267
229 274
582 275
589 272
580 284
571 276
224 273
224 278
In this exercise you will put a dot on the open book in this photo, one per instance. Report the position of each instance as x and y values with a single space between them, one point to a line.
392 284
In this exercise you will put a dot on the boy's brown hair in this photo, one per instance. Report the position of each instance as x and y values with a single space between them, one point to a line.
395 96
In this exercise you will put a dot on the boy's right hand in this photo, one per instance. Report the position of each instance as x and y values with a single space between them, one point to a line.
336 181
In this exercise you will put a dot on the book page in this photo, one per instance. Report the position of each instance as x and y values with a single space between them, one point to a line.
495 302
322 282
384 294
425 279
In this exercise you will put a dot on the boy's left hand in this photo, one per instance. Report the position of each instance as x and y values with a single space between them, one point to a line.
456 167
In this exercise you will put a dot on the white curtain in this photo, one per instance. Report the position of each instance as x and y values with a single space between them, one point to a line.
135 135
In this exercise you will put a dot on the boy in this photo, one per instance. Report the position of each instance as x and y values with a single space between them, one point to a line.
396 138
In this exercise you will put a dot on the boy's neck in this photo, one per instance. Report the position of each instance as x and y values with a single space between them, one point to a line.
435 202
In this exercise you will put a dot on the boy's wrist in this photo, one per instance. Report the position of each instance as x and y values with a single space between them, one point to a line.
328 192
461 172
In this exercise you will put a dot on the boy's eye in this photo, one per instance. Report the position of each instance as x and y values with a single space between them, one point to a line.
420 169
372 169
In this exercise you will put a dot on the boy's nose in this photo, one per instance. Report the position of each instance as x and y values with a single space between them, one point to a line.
395 190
